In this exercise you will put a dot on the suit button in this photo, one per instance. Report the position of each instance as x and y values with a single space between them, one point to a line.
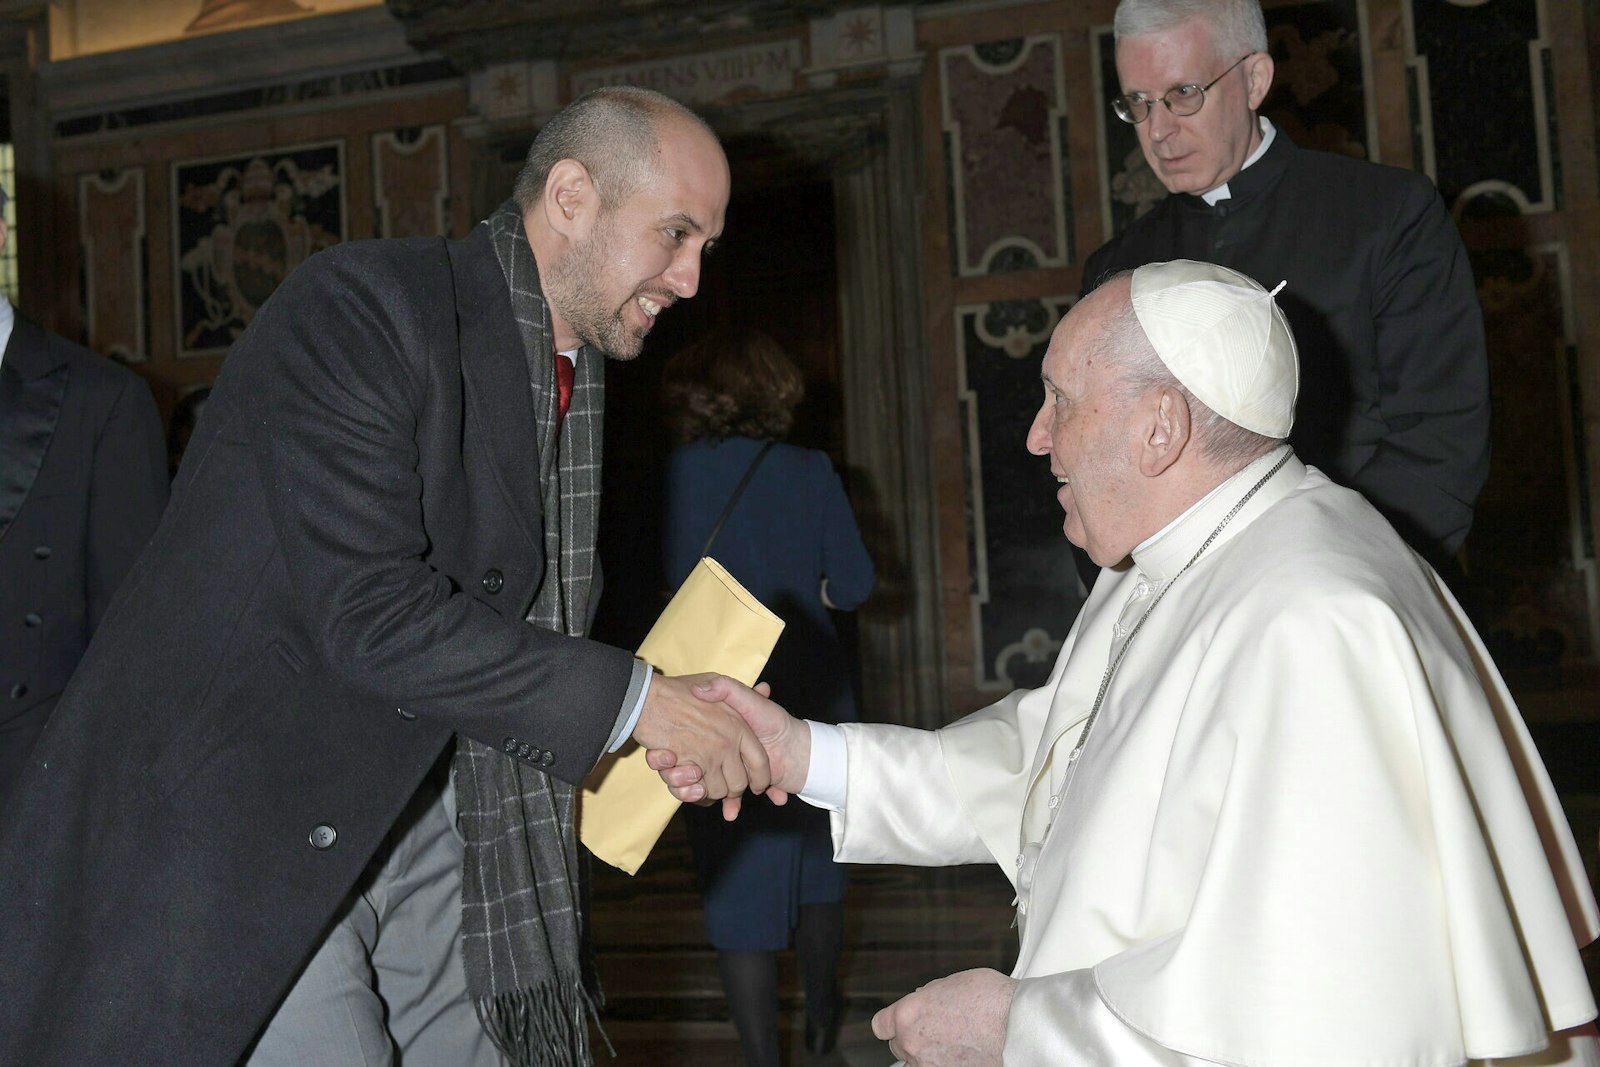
19 691
547 759
493 582
406 715
323 837
41 552
509 746
31 619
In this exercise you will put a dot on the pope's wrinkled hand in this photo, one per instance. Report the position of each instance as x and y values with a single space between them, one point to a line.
959 1021
786 739
687 736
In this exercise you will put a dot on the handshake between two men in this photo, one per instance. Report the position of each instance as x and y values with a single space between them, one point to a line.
754 745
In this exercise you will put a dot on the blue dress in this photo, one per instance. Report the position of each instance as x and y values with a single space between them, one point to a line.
792 528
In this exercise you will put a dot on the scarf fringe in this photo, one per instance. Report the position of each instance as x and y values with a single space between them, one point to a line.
542 1026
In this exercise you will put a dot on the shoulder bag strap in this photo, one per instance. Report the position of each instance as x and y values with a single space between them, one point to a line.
734 499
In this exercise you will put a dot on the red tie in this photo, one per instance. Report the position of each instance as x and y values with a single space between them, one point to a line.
564 370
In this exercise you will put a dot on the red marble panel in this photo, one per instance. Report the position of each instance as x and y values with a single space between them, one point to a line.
1004 125
410 182
1531 553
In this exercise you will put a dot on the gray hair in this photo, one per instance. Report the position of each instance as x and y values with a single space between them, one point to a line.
613 132
1237 26
1123 345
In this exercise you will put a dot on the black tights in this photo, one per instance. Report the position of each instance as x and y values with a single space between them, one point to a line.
750 979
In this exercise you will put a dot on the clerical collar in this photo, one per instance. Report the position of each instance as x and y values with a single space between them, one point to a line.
1222 192
1163 554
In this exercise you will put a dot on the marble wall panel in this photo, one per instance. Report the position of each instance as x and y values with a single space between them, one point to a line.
1024 589
1004 126
241 224
111 228
1483 100
1531 556
410 182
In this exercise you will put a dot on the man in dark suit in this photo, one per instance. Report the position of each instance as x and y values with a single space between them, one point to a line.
1394 397
83 480
310 799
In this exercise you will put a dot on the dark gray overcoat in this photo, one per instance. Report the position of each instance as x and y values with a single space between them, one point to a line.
338 584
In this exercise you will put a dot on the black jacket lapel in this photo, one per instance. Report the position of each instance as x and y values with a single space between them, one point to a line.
495 374
32 388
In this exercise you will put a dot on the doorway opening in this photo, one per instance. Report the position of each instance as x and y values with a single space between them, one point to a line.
775 269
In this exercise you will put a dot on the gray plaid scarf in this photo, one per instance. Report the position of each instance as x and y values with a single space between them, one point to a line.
521 928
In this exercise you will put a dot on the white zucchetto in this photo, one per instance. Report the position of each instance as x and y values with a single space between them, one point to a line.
1224 337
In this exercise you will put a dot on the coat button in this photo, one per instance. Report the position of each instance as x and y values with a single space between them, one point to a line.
406 715
19 691
509 746
323 837
493 582
41 552
547 759
31 619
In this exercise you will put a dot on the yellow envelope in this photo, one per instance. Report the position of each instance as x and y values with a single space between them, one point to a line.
711 624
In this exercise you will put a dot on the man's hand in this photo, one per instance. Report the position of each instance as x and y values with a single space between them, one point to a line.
700 739
959 1021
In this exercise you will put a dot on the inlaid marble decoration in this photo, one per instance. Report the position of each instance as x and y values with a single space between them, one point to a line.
111 222
1004 119
1318 98
410 181
241 225
1483 97
1025 590
1531 554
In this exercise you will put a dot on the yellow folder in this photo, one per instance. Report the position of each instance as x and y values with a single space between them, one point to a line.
711 624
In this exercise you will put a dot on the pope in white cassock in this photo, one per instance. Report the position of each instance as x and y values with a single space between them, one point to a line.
1274 805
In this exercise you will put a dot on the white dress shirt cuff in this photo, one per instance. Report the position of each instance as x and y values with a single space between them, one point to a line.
828 775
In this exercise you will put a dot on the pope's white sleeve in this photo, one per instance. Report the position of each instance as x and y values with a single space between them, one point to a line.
901 804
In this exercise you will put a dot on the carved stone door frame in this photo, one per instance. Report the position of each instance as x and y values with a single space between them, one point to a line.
866 140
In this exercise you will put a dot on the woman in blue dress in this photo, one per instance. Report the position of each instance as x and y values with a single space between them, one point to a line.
792 541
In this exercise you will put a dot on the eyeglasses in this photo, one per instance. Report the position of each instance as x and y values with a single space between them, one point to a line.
1182 100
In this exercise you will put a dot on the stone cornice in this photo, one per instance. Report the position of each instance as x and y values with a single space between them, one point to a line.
479 33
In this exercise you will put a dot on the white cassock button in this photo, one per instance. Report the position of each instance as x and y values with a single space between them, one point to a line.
1027 861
